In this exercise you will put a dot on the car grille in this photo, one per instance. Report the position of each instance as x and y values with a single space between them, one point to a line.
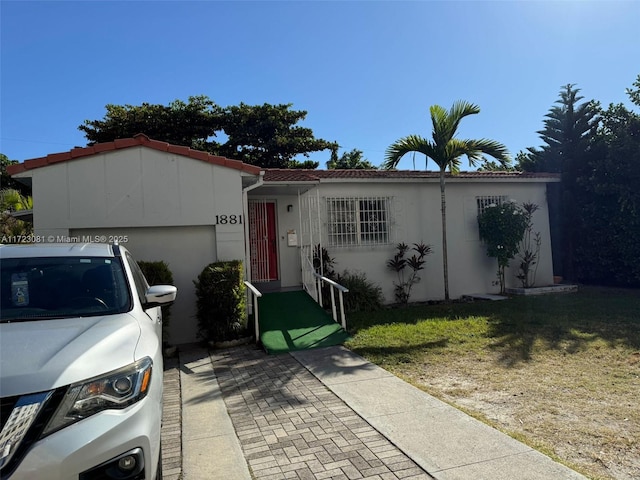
23 418
6 406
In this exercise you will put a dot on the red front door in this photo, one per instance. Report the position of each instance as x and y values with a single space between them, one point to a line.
263 239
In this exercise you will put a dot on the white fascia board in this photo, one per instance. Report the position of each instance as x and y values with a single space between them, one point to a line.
379 180
504 180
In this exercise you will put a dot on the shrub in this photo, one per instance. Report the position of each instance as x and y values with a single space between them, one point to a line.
321 258
11 227
413 264
502 228
221 302
158 273
363 295
529 250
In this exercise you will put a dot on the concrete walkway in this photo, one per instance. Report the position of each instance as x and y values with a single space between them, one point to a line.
330 414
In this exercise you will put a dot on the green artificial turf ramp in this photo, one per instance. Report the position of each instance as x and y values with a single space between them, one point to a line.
293 321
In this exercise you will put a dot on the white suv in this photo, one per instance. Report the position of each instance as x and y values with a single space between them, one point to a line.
80 364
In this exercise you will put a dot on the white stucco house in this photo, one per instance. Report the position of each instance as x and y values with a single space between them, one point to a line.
189 208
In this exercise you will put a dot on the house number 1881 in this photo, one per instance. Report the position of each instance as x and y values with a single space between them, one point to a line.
228 219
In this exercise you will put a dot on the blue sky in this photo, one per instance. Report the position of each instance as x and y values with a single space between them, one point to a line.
366 72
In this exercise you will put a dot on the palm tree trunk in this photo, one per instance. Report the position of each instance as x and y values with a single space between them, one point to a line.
445 263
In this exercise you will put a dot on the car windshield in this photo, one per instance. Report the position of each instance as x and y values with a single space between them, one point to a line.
61 287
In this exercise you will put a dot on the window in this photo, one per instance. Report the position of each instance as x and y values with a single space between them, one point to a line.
358 221
138 277
46 288
484 202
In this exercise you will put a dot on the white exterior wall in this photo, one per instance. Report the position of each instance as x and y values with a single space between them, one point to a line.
468 260
414 210
166 204
288 220
416 217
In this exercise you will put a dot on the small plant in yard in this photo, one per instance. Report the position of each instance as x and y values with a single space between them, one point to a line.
363 296
529 250
502 228
407 268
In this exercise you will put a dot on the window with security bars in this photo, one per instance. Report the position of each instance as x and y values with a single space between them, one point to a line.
486 201
356 221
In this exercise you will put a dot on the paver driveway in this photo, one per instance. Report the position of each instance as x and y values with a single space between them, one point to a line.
291 426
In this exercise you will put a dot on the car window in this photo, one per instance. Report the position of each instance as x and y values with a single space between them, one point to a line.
61 287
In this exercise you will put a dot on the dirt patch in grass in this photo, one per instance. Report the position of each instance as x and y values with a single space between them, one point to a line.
565 380
588 419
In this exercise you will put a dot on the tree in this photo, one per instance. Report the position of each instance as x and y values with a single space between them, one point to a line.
634 93
446 150
14 196
5 178
263 135
267 135
6 182
191 124
568 130
10 227
609 216
349 160
493 166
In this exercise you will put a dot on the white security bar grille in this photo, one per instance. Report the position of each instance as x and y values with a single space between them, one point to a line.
259 241
484 202
358 221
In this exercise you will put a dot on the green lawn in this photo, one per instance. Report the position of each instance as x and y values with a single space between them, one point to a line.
560 372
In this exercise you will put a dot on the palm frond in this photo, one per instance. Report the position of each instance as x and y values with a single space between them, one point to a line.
13 200
446 123
411 143
445 150
459 110
439 120
485 146
475 149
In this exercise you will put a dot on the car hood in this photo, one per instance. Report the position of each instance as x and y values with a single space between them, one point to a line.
36 356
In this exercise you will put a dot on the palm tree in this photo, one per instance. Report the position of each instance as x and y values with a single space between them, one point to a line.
445 150
14 201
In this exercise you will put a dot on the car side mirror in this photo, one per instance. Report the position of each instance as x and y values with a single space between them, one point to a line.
160 295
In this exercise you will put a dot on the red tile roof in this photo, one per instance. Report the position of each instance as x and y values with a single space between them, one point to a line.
136 141
300 175
276 175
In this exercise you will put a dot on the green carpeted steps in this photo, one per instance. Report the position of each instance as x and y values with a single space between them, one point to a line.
293 321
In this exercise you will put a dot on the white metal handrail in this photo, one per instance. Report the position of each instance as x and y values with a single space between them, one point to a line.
254 293
333 286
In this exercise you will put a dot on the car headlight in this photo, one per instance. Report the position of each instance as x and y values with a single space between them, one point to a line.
114 390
